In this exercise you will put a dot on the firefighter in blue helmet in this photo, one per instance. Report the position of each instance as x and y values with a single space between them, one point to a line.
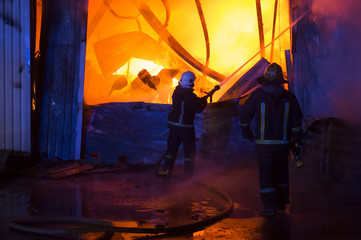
185 104
278 127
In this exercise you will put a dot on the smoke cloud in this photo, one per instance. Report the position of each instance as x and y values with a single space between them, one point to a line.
338 70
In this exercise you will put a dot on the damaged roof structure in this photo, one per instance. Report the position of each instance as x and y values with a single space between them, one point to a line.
111 53
87 89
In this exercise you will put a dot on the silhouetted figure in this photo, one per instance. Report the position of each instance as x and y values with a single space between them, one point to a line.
278 126
185 104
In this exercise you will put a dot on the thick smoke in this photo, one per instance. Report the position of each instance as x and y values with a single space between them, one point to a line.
338 70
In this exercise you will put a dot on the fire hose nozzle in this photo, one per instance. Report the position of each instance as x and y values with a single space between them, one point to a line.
210 94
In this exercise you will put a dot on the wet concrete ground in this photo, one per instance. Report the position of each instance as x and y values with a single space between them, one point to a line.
325 199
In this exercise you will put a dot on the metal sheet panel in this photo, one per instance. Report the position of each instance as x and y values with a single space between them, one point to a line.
61 77
247 83
25 92
15 77
16 80
2 77
8 75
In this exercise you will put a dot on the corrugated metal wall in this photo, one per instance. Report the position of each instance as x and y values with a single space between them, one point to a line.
15 100
62 53
305 52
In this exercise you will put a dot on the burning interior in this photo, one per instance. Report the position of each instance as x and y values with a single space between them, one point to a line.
137 50
135 53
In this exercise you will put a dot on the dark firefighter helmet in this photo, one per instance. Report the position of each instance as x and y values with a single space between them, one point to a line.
273 75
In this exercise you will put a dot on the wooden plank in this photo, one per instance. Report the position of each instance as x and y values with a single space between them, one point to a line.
64 167
25 94
2 78
16 80
71 172
8 75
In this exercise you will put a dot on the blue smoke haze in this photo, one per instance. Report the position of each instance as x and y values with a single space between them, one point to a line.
338 71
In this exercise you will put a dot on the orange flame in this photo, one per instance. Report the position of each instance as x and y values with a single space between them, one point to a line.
233 35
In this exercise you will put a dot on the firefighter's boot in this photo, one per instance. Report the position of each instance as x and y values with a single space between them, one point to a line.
268 198
167 166
282 197
188 166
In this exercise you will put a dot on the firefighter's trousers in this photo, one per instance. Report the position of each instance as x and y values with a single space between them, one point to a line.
178 135
274 179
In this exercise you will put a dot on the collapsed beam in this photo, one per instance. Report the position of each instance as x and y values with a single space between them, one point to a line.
163 33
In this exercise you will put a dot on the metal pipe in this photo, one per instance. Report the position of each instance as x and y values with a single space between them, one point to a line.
158 27
206 38
205 31
273 29
294 23
260 27
167 11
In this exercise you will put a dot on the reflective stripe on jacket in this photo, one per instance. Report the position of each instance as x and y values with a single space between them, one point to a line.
185 104
278 117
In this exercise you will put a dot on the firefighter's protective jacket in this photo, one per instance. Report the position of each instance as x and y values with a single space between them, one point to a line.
185 104
278 118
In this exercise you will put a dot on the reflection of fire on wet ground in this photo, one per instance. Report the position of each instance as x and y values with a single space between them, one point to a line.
161 202
123 195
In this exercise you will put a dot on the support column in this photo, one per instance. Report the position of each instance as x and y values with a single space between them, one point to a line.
62 44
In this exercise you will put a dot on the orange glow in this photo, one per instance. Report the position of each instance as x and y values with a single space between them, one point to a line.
135 65
38 24
233 35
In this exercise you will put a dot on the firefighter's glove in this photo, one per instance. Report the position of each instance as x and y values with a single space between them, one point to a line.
204 99
247 133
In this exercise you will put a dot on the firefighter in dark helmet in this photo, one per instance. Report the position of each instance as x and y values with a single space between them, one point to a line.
278 127
185 104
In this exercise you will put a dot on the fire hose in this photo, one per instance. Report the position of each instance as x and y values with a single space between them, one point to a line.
88 225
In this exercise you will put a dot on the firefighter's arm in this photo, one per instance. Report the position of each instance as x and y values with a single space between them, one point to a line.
198 104
246 131
247 112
